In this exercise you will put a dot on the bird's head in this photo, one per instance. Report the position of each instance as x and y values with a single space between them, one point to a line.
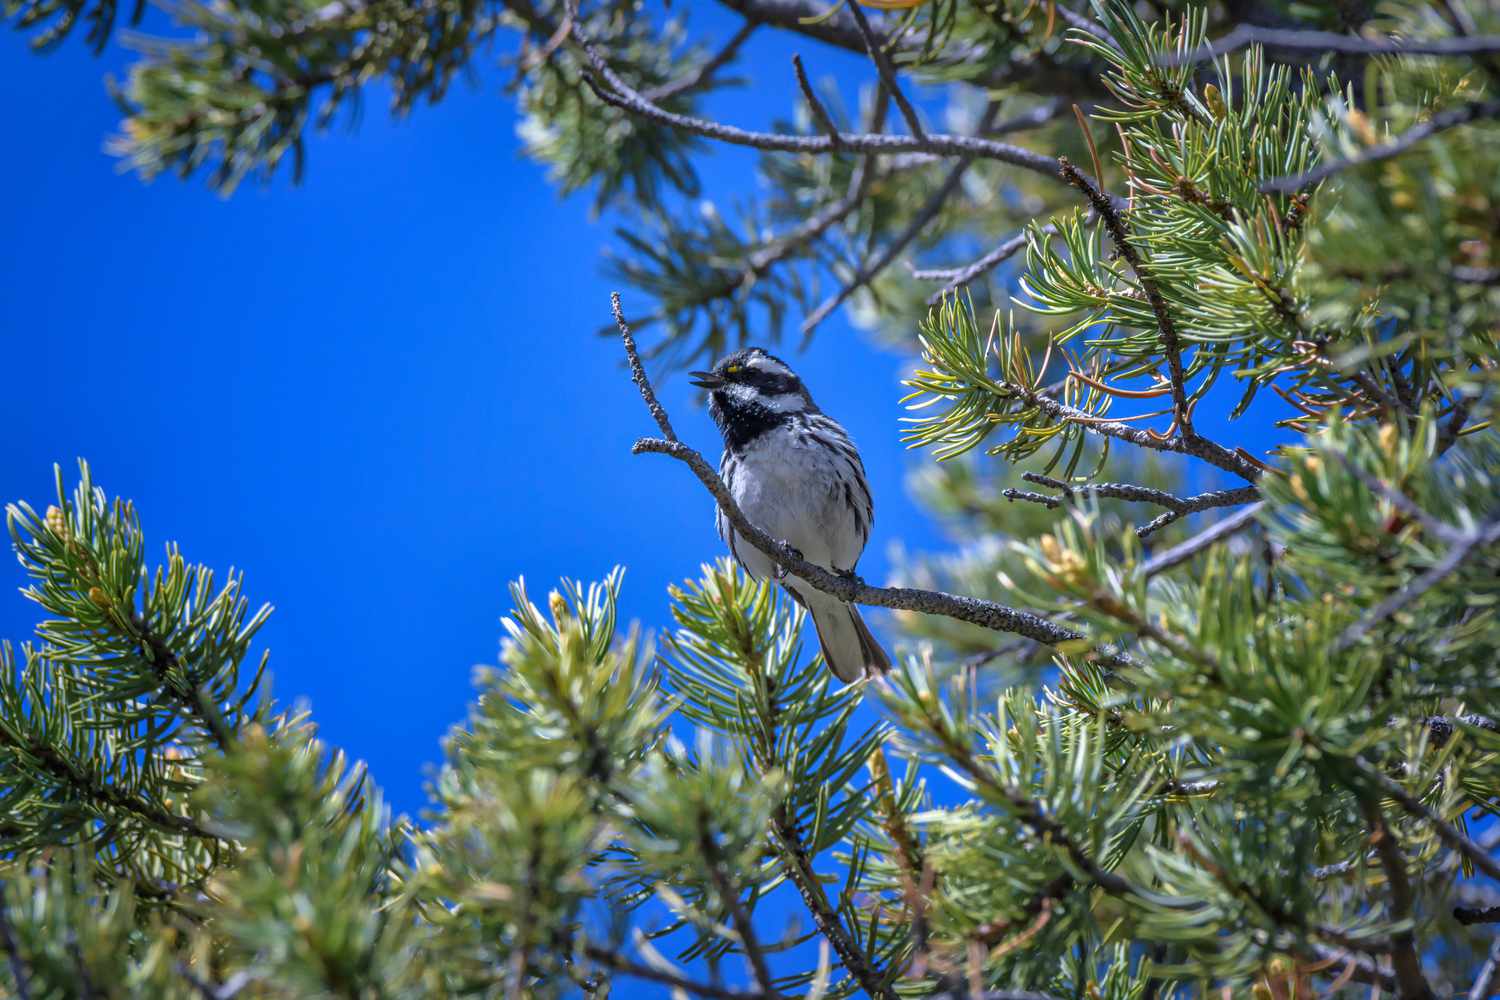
750 390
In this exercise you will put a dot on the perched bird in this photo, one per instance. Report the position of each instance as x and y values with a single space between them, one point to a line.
796 475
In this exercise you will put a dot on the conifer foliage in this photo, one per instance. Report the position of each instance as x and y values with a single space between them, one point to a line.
1142 743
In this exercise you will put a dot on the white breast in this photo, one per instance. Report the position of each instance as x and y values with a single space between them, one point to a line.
794 489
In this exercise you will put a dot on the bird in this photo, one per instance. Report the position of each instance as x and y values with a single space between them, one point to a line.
795 473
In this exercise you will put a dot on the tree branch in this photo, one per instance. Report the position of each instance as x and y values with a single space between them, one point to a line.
705 72
1458 553
1482 982
1214 534
1164 321
1452 118
1444 830
1404 956
615 962
613 90
882 62
846 587
1320 42
1177 507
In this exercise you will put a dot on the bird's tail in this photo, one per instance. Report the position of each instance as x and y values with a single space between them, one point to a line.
849 649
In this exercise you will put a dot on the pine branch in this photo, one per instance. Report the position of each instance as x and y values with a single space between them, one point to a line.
74 779
1195 447
1464 114
1105 209
799 869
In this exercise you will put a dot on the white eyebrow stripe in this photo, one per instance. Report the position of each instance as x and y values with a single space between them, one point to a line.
769 365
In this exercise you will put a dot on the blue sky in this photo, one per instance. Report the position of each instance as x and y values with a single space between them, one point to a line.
379 393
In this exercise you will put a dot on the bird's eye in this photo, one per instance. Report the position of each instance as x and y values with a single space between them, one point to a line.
734 369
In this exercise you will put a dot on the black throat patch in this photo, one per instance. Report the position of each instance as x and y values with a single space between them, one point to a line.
742 421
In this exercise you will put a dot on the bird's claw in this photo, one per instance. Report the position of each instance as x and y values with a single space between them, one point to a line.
788 554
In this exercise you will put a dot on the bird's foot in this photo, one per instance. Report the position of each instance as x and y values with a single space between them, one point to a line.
789 554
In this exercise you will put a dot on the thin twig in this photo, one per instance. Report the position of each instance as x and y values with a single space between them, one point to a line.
1329 41
819 113
1443 120
956 276
887 72
1216 533
706 71
638 371
867 273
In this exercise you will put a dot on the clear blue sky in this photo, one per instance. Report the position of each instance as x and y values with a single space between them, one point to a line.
379 393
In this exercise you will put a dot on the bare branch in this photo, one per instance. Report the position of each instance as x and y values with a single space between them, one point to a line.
1177 507
1442 121
1178 554
887 73
638 371
1405 960
956 276
1470 915
867 273
611 89
615 962
1458 553
1445 831
819 113
704 73
1319 42
1482 982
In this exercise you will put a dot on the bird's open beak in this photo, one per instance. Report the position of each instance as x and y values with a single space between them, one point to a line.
706 380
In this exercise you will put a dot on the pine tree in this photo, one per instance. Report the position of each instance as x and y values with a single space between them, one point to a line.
1142 744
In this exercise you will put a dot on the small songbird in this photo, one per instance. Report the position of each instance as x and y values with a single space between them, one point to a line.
796 475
